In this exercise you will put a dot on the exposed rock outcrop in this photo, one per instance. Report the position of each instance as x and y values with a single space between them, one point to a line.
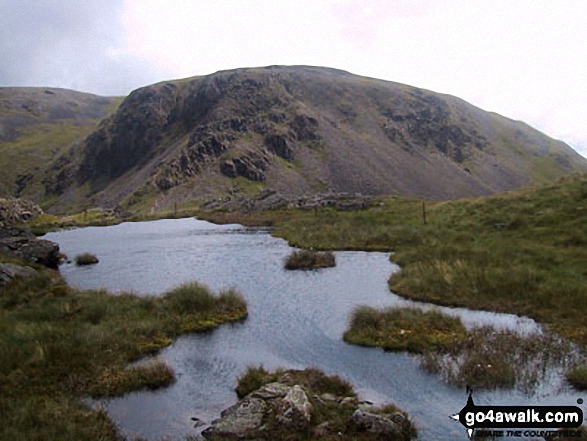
16 211
20 243
284 409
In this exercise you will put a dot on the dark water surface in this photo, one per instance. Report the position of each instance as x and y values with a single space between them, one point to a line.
296 320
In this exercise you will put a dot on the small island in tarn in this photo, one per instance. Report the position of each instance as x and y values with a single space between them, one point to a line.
86 259
308 259
301 405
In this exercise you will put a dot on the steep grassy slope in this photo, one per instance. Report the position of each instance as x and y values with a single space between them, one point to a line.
36 126
303 130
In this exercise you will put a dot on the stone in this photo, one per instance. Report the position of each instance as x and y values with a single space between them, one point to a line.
328 397
271 391
348 401
322 430
20 243
384 425
244 420
15 210
10 271
295 409
280 146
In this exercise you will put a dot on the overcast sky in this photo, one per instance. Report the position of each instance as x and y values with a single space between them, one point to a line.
525 59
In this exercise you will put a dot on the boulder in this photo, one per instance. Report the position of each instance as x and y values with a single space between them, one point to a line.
283 409
20 243
295 410
244 420
10 271
381 425
16 210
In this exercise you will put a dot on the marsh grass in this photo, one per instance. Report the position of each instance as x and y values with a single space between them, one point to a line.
578 377
404 329
115 382
309 259
86 259
483 358
58 344
491 358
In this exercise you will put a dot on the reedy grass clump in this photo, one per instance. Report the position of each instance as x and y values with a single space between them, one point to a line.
578 377
404 329
86 259
115 381
309 259
58 344
483 358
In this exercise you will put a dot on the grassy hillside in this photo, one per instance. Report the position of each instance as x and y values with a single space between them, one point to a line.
37 125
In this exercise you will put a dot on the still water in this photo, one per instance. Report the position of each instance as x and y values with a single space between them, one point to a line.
296 320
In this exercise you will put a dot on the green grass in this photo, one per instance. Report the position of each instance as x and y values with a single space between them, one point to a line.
404 329
58 344
309 259
578 377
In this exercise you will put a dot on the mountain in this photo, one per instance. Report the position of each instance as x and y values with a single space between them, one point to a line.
37 126
298 130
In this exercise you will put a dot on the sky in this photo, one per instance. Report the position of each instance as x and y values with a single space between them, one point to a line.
524 59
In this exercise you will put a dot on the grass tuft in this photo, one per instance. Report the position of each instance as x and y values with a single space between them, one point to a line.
115 382
86 259
578 377
404 329
305 259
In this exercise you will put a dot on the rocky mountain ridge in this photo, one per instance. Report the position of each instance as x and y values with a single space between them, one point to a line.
298 131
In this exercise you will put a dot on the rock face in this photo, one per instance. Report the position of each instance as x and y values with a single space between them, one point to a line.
20 243
15 210
301 130
299 412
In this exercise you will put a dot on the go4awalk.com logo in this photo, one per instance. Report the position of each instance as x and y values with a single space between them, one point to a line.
520 421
